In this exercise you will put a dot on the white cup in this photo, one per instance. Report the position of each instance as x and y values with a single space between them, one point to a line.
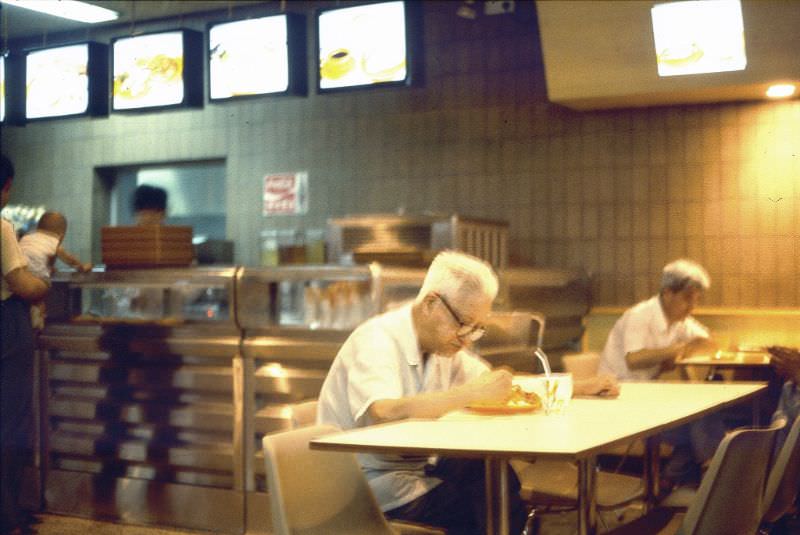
555 391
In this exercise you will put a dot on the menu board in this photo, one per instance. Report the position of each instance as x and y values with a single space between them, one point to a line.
248 57
696 37
57 81
148 71
2 88
362 46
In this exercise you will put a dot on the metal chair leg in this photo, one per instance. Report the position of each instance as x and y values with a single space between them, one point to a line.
532 523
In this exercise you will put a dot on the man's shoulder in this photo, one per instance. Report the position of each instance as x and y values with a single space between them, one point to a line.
385 326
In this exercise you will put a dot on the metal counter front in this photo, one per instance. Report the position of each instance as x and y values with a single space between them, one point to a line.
158 385
138 376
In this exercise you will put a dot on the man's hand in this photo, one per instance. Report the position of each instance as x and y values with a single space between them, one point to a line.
786 361
698 346
604 385
493 386
85 267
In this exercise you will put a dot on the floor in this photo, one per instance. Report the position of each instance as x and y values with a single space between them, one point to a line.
50 524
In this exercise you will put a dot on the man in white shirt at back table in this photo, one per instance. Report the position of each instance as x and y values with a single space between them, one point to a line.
414 362
649 339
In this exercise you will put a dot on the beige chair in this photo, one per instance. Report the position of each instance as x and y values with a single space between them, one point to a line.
322 493
511 338
581 365
304 413
548 485
728 501
784 477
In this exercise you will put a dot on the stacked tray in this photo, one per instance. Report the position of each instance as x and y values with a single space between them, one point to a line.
147 246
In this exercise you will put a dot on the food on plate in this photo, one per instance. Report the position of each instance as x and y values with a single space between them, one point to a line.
518 401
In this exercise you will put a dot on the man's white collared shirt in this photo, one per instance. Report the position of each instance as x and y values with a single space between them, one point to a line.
381 360
644 326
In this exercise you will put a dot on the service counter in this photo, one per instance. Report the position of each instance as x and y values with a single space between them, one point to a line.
156 386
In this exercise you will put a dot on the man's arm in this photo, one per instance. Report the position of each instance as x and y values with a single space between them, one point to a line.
491 386
604 385
26 285
645 358
72 260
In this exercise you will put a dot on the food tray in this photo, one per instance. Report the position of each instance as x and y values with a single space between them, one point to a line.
146 246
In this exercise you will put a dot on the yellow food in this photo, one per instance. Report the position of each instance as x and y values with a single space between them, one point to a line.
519 399
337 64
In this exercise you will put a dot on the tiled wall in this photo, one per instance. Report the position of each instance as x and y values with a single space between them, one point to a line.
618 193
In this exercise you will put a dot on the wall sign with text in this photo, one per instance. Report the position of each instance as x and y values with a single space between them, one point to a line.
286 193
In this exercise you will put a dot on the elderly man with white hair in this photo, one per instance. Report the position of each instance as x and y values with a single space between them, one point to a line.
650 338
414 362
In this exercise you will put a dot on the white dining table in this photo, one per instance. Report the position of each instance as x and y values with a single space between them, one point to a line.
587 427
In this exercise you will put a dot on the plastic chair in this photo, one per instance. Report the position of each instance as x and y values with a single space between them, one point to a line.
304 413
784 477
553 485
322 493
730 496
581 365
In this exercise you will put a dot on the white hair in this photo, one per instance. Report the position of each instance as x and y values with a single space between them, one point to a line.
681 273
453 272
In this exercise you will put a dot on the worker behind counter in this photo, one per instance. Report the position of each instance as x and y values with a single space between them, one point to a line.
150 205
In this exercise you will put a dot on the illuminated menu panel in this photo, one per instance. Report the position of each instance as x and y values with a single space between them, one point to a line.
57 81
362 45
248 57
697 37
2 88
148 71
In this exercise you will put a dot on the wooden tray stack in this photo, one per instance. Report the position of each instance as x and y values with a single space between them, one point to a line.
146 246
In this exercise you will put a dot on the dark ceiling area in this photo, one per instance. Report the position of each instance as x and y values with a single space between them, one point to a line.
23 24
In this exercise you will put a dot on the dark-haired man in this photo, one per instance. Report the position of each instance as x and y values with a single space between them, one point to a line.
150 205
19 288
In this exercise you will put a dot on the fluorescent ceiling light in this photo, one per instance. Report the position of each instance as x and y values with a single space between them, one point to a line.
780 90
67 9
699 36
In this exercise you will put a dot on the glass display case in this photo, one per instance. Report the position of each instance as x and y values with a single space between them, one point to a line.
166 296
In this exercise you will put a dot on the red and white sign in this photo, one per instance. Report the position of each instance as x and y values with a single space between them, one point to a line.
286 193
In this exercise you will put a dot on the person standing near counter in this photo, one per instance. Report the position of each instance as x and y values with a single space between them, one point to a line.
649 339
42 247
19 288
150 205
414 362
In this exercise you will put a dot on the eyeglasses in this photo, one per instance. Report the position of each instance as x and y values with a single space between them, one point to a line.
470 332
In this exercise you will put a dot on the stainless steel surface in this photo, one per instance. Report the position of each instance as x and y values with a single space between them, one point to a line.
496 469
587 496
413 240
138 501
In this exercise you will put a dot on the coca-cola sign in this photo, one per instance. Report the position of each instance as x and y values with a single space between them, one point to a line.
286 193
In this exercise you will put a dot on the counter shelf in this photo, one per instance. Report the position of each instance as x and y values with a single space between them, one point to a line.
163 296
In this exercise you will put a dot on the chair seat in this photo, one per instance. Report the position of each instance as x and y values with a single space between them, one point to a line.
556 483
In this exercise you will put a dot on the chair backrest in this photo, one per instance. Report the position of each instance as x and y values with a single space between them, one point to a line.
315 492
581 365
729 498
514 328
784 477
304 413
